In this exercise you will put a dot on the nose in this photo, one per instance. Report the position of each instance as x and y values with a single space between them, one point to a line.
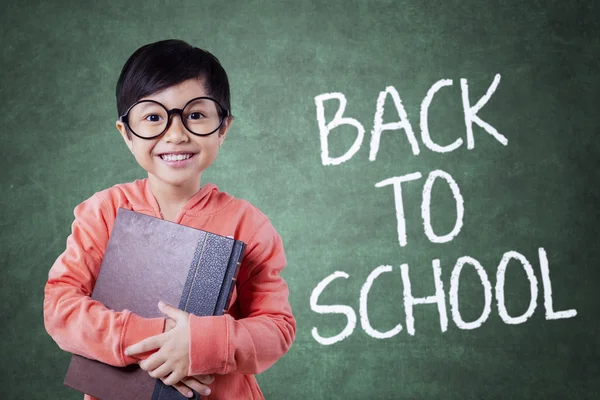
176 131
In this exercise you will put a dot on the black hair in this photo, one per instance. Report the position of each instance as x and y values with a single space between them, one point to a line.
157 66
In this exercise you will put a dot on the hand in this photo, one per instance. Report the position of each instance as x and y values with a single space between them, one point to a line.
169 324
172 360
197 383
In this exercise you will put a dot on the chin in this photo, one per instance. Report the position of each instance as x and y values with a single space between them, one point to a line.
182 182
178 180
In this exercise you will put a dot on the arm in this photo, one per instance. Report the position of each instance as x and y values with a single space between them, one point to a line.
250 345
77 323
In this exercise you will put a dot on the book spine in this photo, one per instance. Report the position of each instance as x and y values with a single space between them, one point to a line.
196 292
230 278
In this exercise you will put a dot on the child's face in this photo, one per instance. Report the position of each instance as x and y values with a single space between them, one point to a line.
150 154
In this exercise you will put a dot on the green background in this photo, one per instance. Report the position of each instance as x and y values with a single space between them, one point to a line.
59 66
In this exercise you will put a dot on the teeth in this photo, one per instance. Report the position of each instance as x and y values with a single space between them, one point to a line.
175 157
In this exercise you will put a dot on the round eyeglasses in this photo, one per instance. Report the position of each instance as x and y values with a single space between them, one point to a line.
148 119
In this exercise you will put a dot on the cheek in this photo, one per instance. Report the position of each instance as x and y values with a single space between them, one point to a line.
142 152
209 146
142 148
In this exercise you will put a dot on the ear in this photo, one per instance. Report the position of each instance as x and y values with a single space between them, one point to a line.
224 129
125 134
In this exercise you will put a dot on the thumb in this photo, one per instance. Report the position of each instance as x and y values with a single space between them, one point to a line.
174 313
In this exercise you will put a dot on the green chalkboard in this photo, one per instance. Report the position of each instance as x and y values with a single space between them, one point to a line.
474 187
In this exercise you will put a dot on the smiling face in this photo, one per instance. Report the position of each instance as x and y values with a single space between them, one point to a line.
176 159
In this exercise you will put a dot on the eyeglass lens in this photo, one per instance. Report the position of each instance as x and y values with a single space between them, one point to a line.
149 119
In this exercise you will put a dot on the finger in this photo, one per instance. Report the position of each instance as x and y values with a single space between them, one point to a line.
174 313
161 372
148 344
152 362
183 389
173 378
206 379
170 324
192 383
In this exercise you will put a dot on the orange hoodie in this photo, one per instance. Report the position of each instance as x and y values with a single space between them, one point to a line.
256 331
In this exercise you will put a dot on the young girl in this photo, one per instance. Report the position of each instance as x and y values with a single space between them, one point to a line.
174 113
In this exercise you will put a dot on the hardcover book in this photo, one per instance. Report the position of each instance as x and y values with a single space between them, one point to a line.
148 259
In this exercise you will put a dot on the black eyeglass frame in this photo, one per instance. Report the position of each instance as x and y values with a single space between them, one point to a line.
179 111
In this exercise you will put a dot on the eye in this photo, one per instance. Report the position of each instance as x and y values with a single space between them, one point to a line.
196 115
152 118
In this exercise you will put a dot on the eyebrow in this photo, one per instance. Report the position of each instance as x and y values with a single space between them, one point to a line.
148 104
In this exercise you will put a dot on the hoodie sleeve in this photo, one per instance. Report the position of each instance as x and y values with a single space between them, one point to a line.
251 344
77 323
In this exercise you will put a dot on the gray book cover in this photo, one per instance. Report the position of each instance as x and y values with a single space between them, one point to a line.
148 259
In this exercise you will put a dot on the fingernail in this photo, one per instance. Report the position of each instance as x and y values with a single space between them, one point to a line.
126 352
161 304
206 391
190 394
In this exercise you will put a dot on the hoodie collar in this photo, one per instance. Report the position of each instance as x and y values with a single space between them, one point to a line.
198 202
